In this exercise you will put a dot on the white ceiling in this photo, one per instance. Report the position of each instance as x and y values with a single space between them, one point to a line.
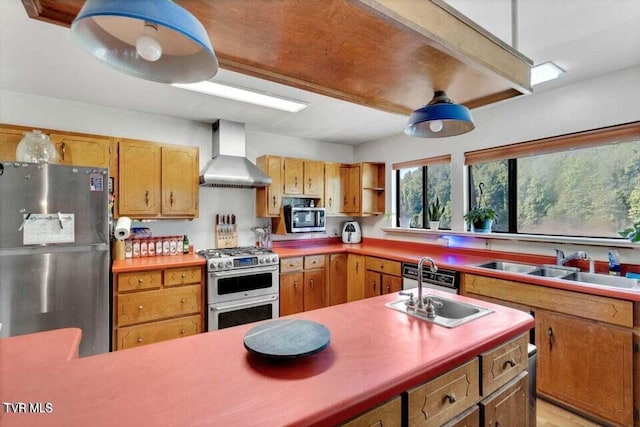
587 38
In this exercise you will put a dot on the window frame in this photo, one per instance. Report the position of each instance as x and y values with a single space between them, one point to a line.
618 134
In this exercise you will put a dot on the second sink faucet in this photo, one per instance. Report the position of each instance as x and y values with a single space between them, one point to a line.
562 260
433 267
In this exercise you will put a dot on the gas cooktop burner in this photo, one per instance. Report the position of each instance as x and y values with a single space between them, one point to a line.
234 258
234 252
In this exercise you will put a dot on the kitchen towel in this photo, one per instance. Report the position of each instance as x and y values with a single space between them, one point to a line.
123 228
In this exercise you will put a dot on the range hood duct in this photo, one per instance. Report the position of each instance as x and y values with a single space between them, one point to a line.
229 166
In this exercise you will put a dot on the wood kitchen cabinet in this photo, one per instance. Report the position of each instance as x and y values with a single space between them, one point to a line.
82 150
584 343
10 137
355 277
363 189
153 305
157 180
180 182
303 177
303 284
586 365
332 188
507 406
381 276
139 178
350 189
269 199
337 278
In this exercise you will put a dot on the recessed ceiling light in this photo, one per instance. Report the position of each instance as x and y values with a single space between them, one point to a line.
236 93
545 72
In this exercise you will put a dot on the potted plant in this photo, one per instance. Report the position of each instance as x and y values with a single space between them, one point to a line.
632 233
435 212
480 218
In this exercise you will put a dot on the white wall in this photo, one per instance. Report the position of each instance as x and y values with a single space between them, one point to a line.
603 101
37 111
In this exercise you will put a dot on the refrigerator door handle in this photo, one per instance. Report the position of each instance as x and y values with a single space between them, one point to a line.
26 218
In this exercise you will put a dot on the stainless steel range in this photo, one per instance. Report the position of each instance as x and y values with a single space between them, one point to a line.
242 286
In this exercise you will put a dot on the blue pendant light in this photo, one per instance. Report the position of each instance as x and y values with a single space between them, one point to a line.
151 39
439 118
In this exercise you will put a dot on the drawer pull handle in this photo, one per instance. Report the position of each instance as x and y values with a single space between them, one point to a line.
146 197
295 285
311 283
388 289
140 307
182 331
140 280
451 398
139 339
550 335
183 275
510 363
183 300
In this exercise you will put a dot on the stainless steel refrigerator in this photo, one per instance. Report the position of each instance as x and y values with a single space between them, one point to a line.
54 251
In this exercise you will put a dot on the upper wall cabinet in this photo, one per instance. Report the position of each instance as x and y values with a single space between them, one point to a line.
363 189
73 148
269 199
157 180
82 150
332 188
303 177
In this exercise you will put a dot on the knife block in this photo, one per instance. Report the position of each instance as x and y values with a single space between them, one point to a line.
226 236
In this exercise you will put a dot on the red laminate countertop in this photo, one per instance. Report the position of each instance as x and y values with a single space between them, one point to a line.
210 379
26 352
463 260
150 263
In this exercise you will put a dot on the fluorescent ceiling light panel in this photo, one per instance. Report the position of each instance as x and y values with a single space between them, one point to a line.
545 72
235 93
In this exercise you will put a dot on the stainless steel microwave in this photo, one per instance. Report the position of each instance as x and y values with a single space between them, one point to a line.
304 219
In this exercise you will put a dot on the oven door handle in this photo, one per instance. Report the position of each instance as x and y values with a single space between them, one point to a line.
244 272
225 307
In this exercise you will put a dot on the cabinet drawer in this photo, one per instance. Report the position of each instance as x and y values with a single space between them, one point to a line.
387 415
382 266
134 336
182 276
313 261
291 264
153 305
139 280
503 363
441 399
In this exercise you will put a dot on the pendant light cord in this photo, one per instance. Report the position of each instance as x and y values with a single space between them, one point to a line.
514 24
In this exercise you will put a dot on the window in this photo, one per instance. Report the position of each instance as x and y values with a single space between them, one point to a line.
418 184
585 184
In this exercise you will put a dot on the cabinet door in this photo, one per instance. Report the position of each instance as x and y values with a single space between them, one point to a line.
332 189
315 289
586 364
350 183
355 277
180 189
338 279
291 293
269 199
391 284
507 406
293 176
9 140
139 173
371 284
82 150
313 178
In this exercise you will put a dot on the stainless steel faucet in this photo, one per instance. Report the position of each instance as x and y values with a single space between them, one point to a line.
420 306
561 259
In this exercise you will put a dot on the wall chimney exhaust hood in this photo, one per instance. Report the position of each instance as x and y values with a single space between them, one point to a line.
229 167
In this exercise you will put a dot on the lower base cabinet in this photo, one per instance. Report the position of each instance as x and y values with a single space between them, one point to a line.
487 391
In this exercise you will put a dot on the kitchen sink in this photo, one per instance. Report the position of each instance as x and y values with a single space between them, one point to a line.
511 267
603 280
549 271
451 314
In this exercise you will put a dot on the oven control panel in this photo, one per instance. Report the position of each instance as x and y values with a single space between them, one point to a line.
232 263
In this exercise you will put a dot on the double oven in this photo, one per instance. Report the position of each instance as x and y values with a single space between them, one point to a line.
242 286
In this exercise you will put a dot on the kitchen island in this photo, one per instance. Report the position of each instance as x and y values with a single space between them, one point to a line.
374 355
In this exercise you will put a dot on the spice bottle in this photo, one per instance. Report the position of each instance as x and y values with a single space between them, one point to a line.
158 246
166 245
144 246
136 248
151 251
128 249
185 245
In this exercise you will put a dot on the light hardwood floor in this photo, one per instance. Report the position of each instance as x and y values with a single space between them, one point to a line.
549 415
